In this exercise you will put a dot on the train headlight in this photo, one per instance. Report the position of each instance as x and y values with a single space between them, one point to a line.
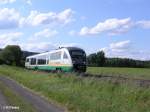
73 62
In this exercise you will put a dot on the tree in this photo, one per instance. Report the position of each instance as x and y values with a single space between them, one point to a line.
11 55
96 59
100 58
1 60
92 59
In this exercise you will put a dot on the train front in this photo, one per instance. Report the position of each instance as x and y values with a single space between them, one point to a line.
78 57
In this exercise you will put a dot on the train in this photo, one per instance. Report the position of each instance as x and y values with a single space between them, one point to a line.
66 59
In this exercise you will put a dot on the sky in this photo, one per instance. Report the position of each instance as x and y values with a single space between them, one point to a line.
121 28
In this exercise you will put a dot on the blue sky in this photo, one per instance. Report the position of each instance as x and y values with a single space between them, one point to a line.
121 28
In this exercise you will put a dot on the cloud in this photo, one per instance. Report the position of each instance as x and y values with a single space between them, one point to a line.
144 24
29 2
9 18
38 47
46 33
72 33
45 46
10 38
111 26
37 18
118 49
68 45
7 1
121 46
125 49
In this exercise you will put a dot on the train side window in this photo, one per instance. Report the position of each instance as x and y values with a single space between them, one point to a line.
33 61
55 56
65 56
41 61
27 60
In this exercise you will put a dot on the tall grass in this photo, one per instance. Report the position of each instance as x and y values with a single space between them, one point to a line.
82 94
142 73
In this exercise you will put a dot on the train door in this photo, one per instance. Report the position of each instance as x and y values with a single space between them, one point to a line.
66 60
27 63
56 60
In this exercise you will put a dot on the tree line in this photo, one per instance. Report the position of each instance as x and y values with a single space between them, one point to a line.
13 55
99 60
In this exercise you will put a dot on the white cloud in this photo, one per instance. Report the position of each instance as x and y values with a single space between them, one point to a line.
29 2
112 26
125 49
65 16
9 38
38 47
46 33
6 1
84 31
72 33
68 45
144 24
9 18
140 54
45 46
121 46
37 18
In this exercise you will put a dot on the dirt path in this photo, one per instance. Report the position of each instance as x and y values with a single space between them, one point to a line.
39 103
3 102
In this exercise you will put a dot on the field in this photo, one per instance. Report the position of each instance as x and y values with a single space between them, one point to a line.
137 73
80 94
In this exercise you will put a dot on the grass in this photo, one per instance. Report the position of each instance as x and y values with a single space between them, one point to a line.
82 94
14 100
140 73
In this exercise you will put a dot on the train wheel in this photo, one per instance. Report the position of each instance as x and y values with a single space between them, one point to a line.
58 70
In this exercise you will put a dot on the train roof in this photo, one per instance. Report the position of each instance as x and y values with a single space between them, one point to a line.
73 48
68 48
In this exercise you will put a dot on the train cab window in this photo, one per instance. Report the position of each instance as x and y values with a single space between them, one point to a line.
65 56
78 55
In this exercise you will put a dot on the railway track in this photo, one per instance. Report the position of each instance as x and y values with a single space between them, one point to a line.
118 79
112 78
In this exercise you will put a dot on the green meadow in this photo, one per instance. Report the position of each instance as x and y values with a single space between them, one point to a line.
79 94
140 73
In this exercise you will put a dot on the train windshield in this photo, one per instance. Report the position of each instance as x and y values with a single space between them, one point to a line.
78 55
